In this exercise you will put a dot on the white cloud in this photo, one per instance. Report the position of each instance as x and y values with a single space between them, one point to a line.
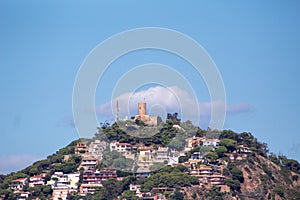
162 100
13 163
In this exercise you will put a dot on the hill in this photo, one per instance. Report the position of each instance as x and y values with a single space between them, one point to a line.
177 161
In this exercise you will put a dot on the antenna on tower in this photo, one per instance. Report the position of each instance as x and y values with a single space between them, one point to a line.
117 109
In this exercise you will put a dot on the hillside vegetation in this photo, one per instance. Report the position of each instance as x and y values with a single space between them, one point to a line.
256 174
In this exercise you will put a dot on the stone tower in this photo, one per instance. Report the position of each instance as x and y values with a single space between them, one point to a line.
141 108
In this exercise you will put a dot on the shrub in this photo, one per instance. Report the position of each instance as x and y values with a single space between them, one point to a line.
233 184
279 191
237 174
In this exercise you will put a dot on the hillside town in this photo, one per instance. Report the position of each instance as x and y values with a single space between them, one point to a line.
178 159
89 176
65 184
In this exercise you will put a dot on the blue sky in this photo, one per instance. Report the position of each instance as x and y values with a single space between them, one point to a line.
255 46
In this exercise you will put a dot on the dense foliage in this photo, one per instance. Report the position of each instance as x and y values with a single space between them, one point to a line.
172 133
172 177
114 132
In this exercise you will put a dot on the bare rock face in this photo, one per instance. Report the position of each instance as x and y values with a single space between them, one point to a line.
263 179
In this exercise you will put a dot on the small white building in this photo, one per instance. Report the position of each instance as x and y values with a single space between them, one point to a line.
162 154
173 160
120 147
59 180
145 154
135 188
18 184
22 194
211 142
36 180
96 148
73 179
62 184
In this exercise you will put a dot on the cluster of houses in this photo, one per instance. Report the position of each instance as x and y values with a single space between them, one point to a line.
144 157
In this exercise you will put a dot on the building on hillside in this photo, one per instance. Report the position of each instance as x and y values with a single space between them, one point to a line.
143 172
162 154
88 188
62 180
216 179
142 116
22 195
18 184
135 188
243 149
88 162
59 180
36 180
120 147
97 176
92 179
173 160
196 156
96 148
124 149
193 142
208 175
81 148
73 179
145 154
60 193
211 142
203 173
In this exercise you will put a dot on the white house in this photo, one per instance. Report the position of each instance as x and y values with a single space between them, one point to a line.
18 184
120 147
211 142
36 180
96 148
162 154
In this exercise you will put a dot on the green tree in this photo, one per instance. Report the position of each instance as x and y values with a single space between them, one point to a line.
174 118
220 151
40 191
212 156
233 184
112 188
237 174
177 195
7 194
33 171
129 195
214 193
2 177
229 134
229 144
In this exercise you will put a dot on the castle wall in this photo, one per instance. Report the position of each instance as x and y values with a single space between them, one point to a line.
142 108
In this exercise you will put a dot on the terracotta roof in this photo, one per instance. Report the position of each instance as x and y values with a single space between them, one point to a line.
19 180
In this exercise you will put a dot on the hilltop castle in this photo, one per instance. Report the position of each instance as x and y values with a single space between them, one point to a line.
147 119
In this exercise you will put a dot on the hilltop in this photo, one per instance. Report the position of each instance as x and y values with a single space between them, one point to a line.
171 160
